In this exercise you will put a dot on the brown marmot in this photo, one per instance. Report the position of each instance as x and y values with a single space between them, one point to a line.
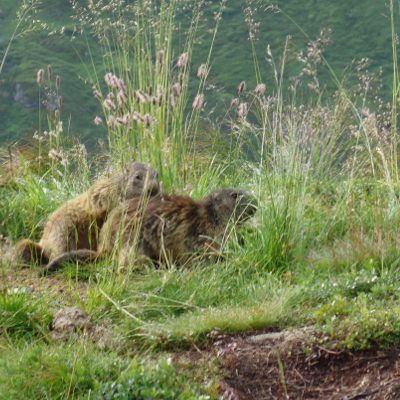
76 224
167 228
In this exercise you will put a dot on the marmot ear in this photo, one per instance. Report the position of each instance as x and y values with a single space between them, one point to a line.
216 196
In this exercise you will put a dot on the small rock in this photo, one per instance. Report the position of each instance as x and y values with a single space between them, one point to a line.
285 340
69 322
266 336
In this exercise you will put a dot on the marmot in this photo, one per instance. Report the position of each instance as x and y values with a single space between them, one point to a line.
169 227
76 224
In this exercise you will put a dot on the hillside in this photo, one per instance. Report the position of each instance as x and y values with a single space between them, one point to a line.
257 258
356 32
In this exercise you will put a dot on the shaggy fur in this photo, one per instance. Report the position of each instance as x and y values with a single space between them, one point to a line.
75 225
168 228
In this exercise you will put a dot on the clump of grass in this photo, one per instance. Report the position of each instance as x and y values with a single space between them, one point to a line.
22 316
144 94
360 323
80 371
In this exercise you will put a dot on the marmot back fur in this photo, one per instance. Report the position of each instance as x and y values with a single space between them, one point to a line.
168 228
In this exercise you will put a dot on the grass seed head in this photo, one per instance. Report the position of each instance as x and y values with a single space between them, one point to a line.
97 94
109 104
111 121
198 102
234 102
121 98
147 120
40 77
260 89
241 87
141 97
183 60
202 71
242 110
98 120
49 72
176 89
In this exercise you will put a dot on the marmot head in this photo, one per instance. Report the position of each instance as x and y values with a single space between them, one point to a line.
237 205
139 179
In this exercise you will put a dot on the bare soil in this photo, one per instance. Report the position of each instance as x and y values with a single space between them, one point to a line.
277 366
28 280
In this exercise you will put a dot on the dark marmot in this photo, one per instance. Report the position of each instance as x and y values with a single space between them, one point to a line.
168 228
76 224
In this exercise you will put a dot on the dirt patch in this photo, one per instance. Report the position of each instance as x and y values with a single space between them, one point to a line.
70 321
280 366
28 280
73 323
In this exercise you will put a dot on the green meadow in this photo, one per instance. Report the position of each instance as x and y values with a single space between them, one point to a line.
321 158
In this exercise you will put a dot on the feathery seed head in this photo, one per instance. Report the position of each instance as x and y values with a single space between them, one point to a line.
234 102
98 120
242 110
202 71
147 120
176 89
120 84
40 76
241 87
260 89
55 155
111 122
97 94
121 98
198 102
108 78
58 82
124 120
141 97
182 60
49 72
109 104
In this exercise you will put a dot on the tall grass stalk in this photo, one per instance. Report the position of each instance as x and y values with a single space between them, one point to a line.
395 97
24 11
150 119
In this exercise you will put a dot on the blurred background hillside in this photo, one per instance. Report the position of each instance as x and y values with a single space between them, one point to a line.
355 32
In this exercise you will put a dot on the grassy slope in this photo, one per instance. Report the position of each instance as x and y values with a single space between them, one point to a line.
323 251
37 50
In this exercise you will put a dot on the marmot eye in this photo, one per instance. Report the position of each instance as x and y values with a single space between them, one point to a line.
234 195
139 177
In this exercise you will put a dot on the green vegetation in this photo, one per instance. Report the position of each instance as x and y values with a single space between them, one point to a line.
81 371
322 249
56 40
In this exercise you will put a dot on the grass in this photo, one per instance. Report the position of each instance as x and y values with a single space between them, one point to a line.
82 371
321 251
